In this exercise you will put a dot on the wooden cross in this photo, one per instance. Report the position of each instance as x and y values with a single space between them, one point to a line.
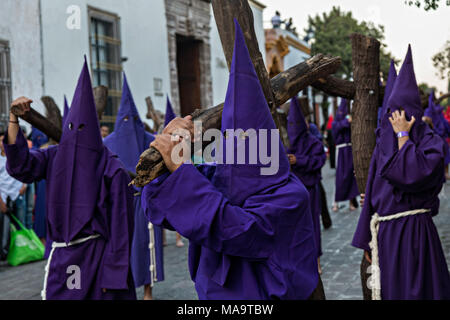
276 90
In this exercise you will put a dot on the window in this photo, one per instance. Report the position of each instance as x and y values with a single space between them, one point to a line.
106 62
5 83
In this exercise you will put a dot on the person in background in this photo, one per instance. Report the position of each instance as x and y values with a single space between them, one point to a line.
104 131
40 141
346 187
10 190
307 157
330 142
276 20
128 140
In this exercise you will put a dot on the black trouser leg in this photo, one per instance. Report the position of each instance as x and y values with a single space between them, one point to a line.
319 292
367 293
325 214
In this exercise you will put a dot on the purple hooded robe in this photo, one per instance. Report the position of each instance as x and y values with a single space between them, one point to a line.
439 123
412 263
87 195
251 236
311 158
128 141
388 90
346 187
39 226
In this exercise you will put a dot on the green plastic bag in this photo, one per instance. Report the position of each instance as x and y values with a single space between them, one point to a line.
25 246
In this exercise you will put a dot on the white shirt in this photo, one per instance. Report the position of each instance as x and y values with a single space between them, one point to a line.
9 187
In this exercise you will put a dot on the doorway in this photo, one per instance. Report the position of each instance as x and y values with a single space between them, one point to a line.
188 66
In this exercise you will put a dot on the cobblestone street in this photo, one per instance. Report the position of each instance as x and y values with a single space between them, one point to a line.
340 261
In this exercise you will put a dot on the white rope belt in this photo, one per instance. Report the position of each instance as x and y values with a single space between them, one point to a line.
342 145
60 245
151 246
339 146
374 227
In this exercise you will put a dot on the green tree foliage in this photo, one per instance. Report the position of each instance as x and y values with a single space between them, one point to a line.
426 4
441 61
427 88
332 36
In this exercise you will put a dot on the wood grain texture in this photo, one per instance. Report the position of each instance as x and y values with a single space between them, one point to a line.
366 70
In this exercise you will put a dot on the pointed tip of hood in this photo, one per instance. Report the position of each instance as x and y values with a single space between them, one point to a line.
392 77
127 104
245 105
297 126
170 115
66 111
405 92
82 119
342 110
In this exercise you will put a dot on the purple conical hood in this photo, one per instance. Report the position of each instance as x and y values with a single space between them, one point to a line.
66 111
389 86
342 110
170 115
82 127
246 108
38 138
435 113
297 127
405 94
78 167
128 140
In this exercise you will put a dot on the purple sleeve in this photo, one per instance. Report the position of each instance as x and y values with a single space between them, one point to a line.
312 160
362 235
116 263
189 202
414 168
22 164
341 124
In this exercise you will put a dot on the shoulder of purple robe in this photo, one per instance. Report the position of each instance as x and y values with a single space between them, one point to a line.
417 167
362 235
340 124
24 164
311 158
117 198
190 203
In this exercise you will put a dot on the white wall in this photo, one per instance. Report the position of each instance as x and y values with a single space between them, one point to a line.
144 43
19 25
219 68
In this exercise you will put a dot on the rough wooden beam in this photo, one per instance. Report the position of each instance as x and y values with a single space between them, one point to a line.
151 114
442 98
288 83
336 87
53 112
366 70
224 13
101 100
151 164
40 122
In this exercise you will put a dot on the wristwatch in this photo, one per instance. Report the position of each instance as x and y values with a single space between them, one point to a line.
402 134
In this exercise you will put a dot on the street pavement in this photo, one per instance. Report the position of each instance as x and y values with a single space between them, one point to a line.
340 261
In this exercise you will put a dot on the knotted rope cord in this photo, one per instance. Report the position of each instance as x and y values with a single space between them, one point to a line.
60 245
151 246
374 227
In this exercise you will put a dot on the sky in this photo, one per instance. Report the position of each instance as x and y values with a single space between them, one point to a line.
426 31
